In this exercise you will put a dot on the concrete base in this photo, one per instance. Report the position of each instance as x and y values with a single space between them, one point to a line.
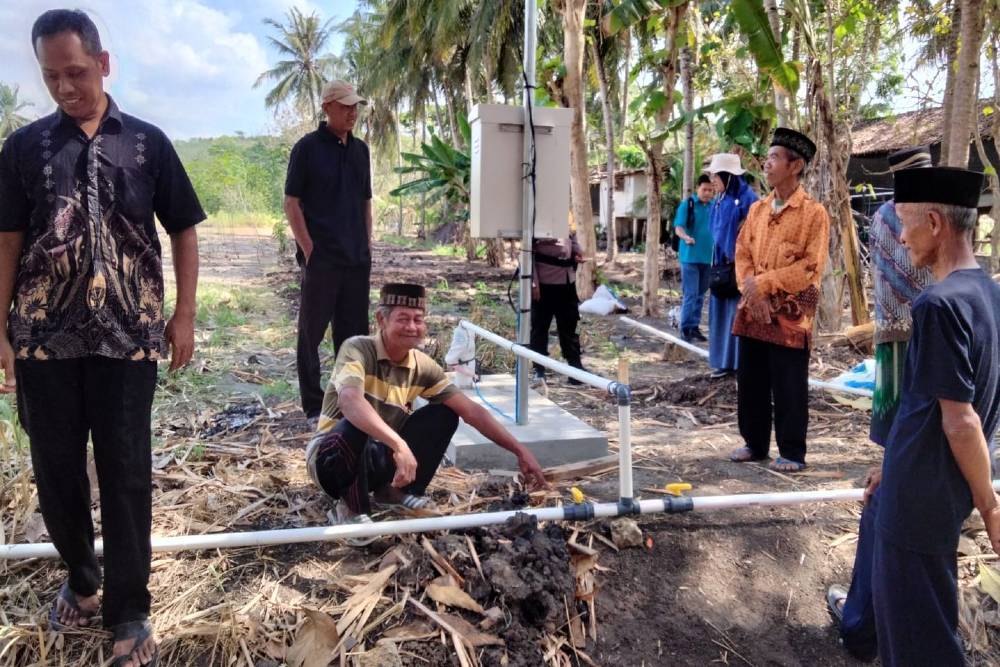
553 435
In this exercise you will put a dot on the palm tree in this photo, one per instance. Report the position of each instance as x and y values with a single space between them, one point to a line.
10 108
300 77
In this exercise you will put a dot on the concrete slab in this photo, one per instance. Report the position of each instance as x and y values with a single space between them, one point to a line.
552 434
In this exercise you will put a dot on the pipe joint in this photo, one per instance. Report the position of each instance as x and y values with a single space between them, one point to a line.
627 506
677 504
579 512
621 392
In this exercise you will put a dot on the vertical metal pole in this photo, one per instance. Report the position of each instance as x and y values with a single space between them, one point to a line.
527 208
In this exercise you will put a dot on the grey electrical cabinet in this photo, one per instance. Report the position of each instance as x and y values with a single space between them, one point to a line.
498 170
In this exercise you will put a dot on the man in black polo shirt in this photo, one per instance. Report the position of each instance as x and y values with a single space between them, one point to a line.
80 264
328 202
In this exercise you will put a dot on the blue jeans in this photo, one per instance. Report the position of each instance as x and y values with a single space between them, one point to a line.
694 283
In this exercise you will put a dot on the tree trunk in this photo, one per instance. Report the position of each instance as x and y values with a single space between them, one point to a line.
964 102
780 99
951 56
843 233
456 136
422 229
995 133
610 228
668 70
399 163
573 14
687 79
623 121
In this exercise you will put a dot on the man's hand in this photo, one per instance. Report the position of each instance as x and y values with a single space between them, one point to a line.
180 336
991 518
406 465
755 301
532 473
688 240
536 293
7 366
307 250
872 480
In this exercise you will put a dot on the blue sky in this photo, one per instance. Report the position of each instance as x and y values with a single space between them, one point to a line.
187 66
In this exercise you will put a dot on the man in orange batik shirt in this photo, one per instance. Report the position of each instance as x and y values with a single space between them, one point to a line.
779 260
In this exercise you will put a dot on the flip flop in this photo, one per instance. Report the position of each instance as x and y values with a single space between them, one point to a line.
140 631
781 464
67 596
834 596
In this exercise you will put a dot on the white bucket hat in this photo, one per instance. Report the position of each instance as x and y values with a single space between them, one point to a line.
728 162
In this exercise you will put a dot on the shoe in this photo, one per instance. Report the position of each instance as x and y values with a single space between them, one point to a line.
720 373
537 378
836 597
574 381
697 335
687 336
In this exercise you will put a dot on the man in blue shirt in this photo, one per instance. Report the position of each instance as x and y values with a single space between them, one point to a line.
695 253
937 463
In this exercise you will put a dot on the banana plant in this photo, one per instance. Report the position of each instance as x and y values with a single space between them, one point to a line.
444 171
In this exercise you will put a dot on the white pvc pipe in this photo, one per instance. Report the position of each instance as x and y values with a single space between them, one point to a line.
625 452
454 522
540 359
819 384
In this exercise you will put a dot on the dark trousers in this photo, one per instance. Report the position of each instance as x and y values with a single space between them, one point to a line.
765 371
857 629
335 297
559 301
349 464
60 404
915 597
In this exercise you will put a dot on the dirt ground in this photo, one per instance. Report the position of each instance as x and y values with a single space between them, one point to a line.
734 587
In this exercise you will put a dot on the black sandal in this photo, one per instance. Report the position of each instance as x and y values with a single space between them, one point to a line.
140 631
69 597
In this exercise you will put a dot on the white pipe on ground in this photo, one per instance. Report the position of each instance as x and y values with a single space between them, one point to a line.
819 384
671 505
625 451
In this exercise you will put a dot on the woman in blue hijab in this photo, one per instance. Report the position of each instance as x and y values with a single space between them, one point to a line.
728 213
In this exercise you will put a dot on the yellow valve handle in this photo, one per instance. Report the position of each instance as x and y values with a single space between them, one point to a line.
677 488
577 494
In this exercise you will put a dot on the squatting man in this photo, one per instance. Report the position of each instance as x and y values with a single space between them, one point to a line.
371 439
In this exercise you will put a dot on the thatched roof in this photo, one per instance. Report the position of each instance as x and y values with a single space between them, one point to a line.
884 135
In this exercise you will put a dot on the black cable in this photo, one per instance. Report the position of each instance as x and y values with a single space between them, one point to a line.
531 167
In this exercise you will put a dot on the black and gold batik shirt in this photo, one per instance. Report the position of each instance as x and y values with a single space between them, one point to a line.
90 279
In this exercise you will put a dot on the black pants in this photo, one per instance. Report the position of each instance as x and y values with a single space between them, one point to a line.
559 301
331 296
765 371
60 404
349 464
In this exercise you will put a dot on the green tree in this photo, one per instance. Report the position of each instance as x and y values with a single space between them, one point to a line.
299 78
11 107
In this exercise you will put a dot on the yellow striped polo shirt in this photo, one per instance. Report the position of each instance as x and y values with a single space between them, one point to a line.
390 388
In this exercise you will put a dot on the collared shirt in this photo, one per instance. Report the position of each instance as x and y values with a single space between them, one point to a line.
90 277
784 250
897 282
561 249
389 387
952 355
332 180
700 252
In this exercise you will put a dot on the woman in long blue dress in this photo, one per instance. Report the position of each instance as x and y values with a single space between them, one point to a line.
728 213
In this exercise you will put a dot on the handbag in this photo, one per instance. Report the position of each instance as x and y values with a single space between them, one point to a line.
722 280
